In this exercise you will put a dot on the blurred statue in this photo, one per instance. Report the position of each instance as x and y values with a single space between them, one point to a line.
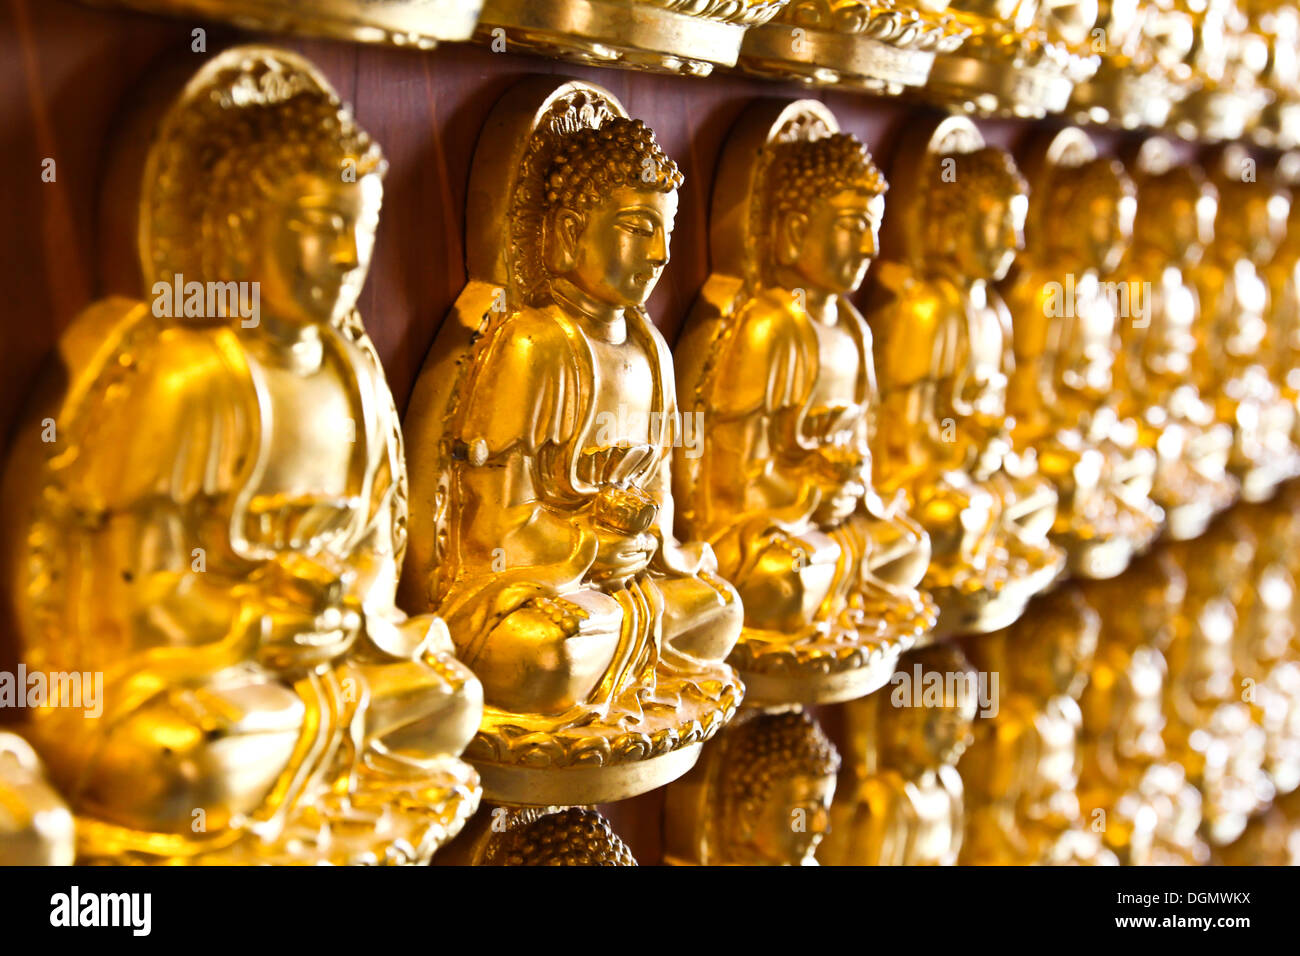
901 803
1281 348
36 827
215 518
1153 378
943 435
1208 727
1022 771
1270 839
1268 669
1065 316
1228 61
1229 363
1144 71
1152 813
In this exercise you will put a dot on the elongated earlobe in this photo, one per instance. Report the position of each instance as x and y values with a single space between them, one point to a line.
560 241
791 229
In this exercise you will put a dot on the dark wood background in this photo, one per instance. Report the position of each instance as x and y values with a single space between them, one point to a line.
70 77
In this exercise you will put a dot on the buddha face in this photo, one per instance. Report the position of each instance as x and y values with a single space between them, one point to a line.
786 827
1179 221
1110 225
311 251
832 245
930 736
996 232
616 251
1262 222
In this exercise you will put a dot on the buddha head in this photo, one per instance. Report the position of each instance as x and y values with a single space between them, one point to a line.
1143 605
825 205
1051 647
913 738
1252 211
975 213
777 783
1088 214
608 211
292 203
574 836
1175 214
1251 219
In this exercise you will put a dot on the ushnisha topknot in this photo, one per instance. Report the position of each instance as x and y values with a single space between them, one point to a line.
1071 187
806 170
590 163
270 144
1159 193
1069 192
987 171
260 123
771 747
573 836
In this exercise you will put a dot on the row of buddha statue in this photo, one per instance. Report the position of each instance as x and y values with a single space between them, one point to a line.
1208 69
583 566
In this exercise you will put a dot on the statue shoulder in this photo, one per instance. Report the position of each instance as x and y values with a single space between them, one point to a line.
881 791
525 385
178 417
771 356
912 317
904 301
151 408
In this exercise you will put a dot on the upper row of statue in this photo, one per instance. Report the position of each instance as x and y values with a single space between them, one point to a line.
608 546
1209 69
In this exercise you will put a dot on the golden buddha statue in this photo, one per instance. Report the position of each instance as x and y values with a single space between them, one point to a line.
690 37
1153 377
1144 70
537 836
1022 58
1270 839
1065 338
1151 813
1281 347
901 803
880 46
943 434
1278 23
1209 729
1268 670
36 827
760 795
1228 61
775 364
1021 772
218 523
542 517
1229 363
